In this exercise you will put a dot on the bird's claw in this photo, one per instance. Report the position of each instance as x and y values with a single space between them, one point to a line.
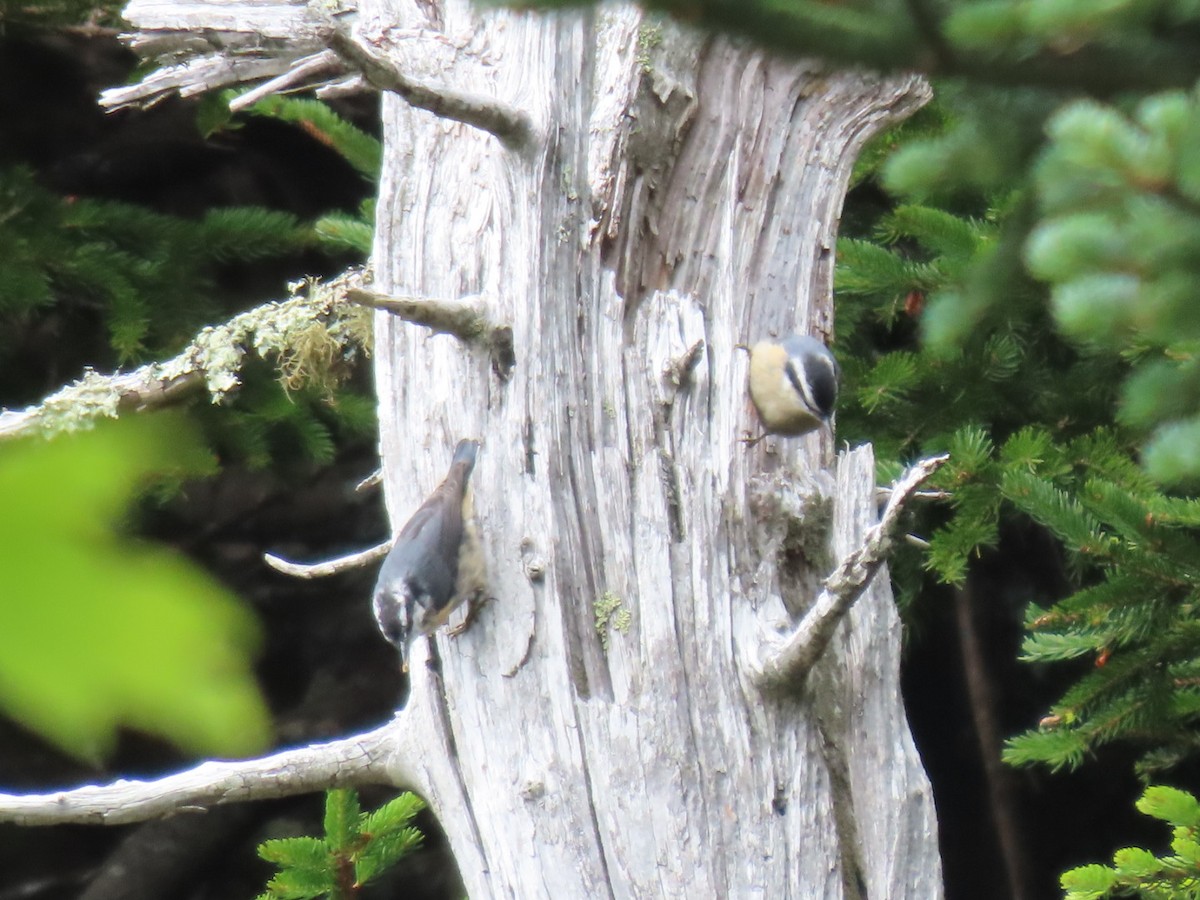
474 606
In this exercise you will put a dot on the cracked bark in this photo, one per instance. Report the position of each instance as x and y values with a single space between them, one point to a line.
690 196
672 190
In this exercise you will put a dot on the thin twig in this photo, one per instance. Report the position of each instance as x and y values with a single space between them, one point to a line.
467 320
317 64
358 560
372 481
804 646
507 123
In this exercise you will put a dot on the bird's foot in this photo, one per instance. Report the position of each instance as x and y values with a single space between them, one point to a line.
474 606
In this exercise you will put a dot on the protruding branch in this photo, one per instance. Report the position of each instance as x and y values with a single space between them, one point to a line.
466 320
678 372
369 758
882 494
507 123
372 481
96 396
803 647
330 566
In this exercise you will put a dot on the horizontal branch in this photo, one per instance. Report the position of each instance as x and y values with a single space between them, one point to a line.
506 122
793 659
330 566
466 320
882 494
367 758
213 359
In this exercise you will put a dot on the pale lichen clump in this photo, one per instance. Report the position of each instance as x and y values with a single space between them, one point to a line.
81 403
312 337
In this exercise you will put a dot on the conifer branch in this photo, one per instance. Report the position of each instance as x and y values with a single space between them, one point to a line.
370 758
506 122
330 566
792 660
902 42
213 359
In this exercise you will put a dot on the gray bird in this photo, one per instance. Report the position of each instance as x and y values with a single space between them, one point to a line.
435 563
793 383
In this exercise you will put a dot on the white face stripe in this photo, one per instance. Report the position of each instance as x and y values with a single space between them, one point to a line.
793 377
787 391
798 371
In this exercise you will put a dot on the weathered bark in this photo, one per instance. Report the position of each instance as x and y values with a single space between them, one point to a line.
676 190
601 731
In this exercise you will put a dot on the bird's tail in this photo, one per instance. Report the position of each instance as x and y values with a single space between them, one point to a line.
464 456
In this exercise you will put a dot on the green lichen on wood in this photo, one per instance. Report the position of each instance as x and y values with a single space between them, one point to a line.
610 614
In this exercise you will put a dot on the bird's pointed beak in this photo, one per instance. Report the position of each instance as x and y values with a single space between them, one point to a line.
406 650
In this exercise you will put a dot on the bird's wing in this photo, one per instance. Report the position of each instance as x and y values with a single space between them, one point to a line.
438 523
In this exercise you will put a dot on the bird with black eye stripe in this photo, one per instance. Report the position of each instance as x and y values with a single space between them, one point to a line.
794 385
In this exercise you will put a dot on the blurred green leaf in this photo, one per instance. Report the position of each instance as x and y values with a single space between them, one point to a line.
99 630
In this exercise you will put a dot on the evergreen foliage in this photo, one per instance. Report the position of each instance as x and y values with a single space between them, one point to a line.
1028 418
357 848
336 231
153 280
319 120
151 275
1136 871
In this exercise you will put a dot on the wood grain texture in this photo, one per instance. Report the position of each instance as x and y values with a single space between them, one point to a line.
677 190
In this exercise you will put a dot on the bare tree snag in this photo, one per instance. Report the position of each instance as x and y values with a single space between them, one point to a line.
684 190
600 732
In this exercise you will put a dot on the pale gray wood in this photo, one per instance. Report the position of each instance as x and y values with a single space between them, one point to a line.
361 759
677 190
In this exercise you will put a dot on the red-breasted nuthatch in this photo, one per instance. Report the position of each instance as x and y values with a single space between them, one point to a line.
436 562
793 383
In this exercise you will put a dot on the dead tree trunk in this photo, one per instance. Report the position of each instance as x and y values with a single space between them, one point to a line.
622 203
598 733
